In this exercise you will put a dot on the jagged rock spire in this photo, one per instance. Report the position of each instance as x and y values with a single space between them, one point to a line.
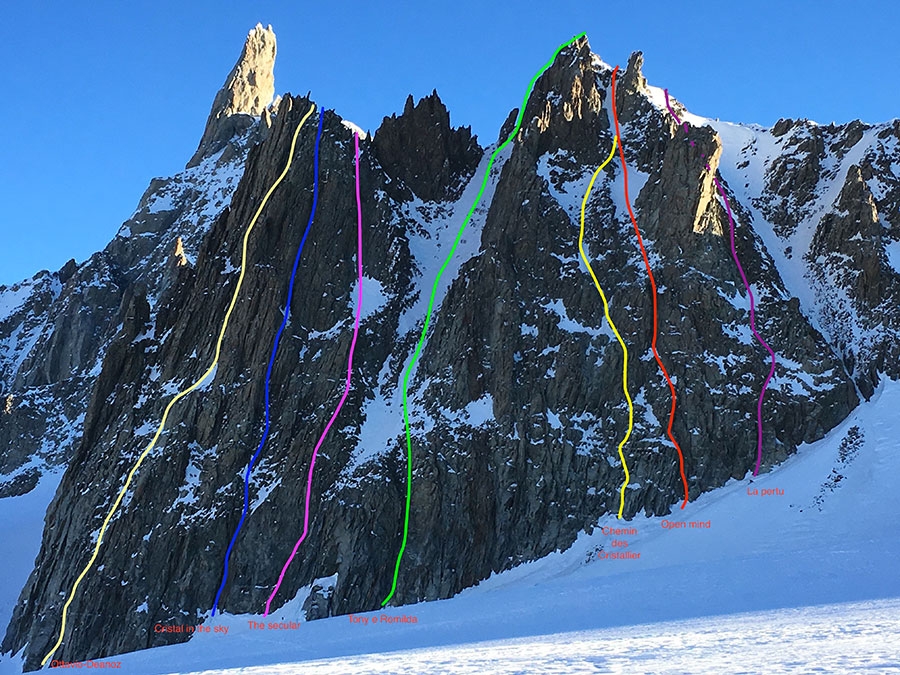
247 91
631 90
421 149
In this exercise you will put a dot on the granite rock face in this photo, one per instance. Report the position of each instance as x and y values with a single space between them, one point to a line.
515 401
246 94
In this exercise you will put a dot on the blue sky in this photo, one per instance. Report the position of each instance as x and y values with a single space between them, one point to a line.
100 97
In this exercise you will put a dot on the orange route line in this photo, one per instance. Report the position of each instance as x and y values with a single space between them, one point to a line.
653 286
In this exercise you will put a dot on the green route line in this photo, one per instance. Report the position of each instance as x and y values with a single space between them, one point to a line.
434 289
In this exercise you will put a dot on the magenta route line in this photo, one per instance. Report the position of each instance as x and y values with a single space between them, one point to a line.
762 393
340 404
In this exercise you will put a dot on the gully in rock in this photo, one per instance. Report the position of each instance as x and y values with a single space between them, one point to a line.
734 255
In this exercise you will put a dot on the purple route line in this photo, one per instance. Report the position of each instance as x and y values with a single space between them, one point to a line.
340 404
762 393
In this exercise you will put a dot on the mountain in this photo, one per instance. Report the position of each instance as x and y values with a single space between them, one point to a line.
515 400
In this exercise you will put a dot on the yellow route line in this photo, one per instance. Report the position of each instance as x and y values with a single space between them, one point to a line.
612 325
182 394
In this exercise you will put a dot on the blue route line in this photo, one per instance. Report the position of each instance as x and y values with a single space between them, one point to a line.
287 310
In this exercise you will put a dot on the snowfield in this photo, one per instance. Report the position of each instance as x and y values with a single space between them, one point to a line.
859 637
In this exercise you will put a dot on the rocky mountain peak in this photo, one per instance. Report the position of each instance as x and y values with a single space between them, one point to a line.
568 88
782 126
421 149
633 81
631 90
565 109
247 91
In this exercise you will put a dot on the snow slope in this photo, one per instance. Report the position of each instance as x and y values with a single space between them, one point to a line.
21 525
829 639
